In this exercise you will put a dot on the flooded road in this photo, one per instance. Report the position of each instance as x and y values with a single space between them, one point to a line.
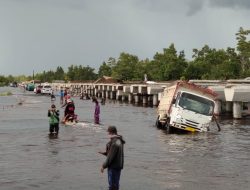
154 160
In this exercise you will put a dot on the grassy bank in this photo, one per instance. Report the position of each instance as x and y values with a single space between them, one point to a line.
6 93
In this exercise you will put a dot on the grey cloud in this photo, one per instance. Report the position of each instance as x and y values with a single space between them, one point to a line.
245 4
189 7
158 5
42 34
75 4
194 7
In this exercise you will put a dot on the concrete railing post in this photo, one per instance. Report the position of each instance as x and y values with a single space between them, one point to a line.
123 98
155 99
111 95
144 99
237 110
136 98
229 106
130 98
107 94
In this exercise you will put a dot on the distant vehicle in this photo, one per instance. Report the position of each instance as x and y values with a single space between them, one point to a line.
13 84
38 89
30 87
187 107
46 89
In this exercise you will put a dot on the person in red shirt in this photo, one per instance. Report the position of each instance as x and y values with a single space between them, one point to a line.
69 112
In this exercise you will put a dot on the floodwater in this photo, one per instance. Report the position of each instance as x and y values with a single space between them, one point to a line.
154 160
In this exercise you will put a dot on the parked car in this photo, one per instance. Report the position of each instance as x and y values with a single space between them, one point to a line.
47 89
30 87
38 89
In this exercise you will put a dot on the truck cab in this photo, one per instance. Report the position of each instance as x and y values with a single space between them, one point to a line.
191 112
186 107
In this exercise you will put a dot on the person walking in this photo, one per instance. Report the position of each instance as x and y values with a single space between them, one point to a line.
114 158
66 95
53 115
52 97
97 111
61 96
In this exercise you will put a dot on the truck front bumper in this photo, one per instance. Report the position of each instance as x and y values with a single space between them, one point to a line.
186 127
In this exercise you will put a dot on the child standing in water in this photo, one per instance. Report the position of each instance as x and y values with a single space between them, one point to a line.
97 111
53 115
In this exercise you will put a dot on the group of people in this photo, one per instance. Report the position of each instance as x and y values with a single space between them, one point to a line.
114 148
69 112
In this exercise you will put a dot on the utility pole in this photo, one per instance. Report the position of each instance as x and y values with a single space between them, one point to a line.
33 77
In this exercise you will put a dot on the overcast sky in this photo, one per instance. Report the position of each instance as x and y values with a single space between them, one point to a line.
43 34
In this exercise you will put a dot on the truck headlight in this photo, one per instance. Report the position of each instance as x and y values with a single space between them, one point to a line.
205 125
178 116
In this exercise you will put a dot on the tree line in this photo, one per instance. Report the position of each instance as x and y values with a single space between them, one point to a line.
207 63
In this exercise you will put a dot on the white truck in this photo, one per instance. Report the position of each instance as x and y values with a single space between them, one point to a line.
187 107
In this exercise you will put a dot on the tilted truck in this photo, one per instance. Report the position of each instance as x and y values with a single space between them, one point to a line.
186 106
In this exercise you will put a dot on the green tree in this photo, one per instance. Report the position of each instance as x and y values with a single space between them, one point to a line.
168 65
104 70
46 76
59 73
80 73
213 64
142 68
87 73
125 67
71 73
3 80
194 70
243 47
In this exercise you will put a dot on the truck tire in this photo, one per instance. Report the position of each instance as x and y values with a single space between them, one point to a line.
168 126
160 125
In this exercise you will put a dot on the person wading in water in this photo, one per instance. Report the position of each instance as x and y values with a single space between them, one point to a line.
53 115
115 158
97 111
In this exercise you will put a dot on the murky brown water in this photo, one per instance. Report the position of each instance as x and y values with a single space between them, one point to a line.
153 159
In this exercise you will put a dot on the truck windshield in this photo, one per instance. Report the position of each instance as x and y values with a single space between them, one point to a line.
197 104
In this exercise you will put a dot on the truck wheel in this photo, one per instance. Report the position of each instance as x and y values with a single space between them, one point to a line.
160 125
163 126
168 127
